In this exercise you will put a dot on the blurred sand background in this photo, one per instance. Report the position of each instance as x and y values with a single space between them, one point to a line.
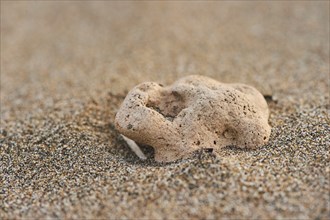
66 67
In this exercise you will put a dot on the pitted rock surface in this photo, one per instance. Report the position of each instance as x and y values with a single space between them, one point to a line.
195 112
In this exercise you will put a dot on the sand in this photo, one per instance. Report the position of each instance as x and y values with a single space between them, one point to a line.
67 66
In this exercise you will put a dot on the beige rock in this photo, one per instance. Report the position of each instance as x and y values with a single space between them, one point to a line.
195 112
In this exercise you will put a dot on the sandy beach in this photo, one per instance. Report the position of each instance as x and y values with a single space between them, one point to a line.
67 66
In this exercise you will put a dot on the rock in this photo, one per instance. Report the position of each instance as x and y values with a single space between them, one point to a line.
195 112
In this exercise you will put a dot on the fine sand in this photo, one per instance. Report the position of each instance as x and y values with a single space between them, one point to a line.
67 66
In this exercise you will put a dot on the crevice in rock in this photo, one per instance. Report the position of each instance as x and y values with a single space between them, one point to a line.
168 105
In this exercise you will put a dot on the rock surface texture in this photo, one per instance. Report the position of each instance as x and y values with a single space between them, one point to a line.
195 112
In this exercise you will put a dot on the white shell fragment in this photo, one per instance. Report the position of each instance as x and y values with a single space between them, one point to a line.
135 148
195 112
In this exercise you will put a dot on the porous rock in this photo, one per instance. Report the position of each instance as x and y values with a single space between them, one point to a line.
195 112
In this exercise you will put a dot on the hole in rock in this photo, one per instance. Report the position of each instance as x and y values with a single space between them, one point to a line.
168 104
209 150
